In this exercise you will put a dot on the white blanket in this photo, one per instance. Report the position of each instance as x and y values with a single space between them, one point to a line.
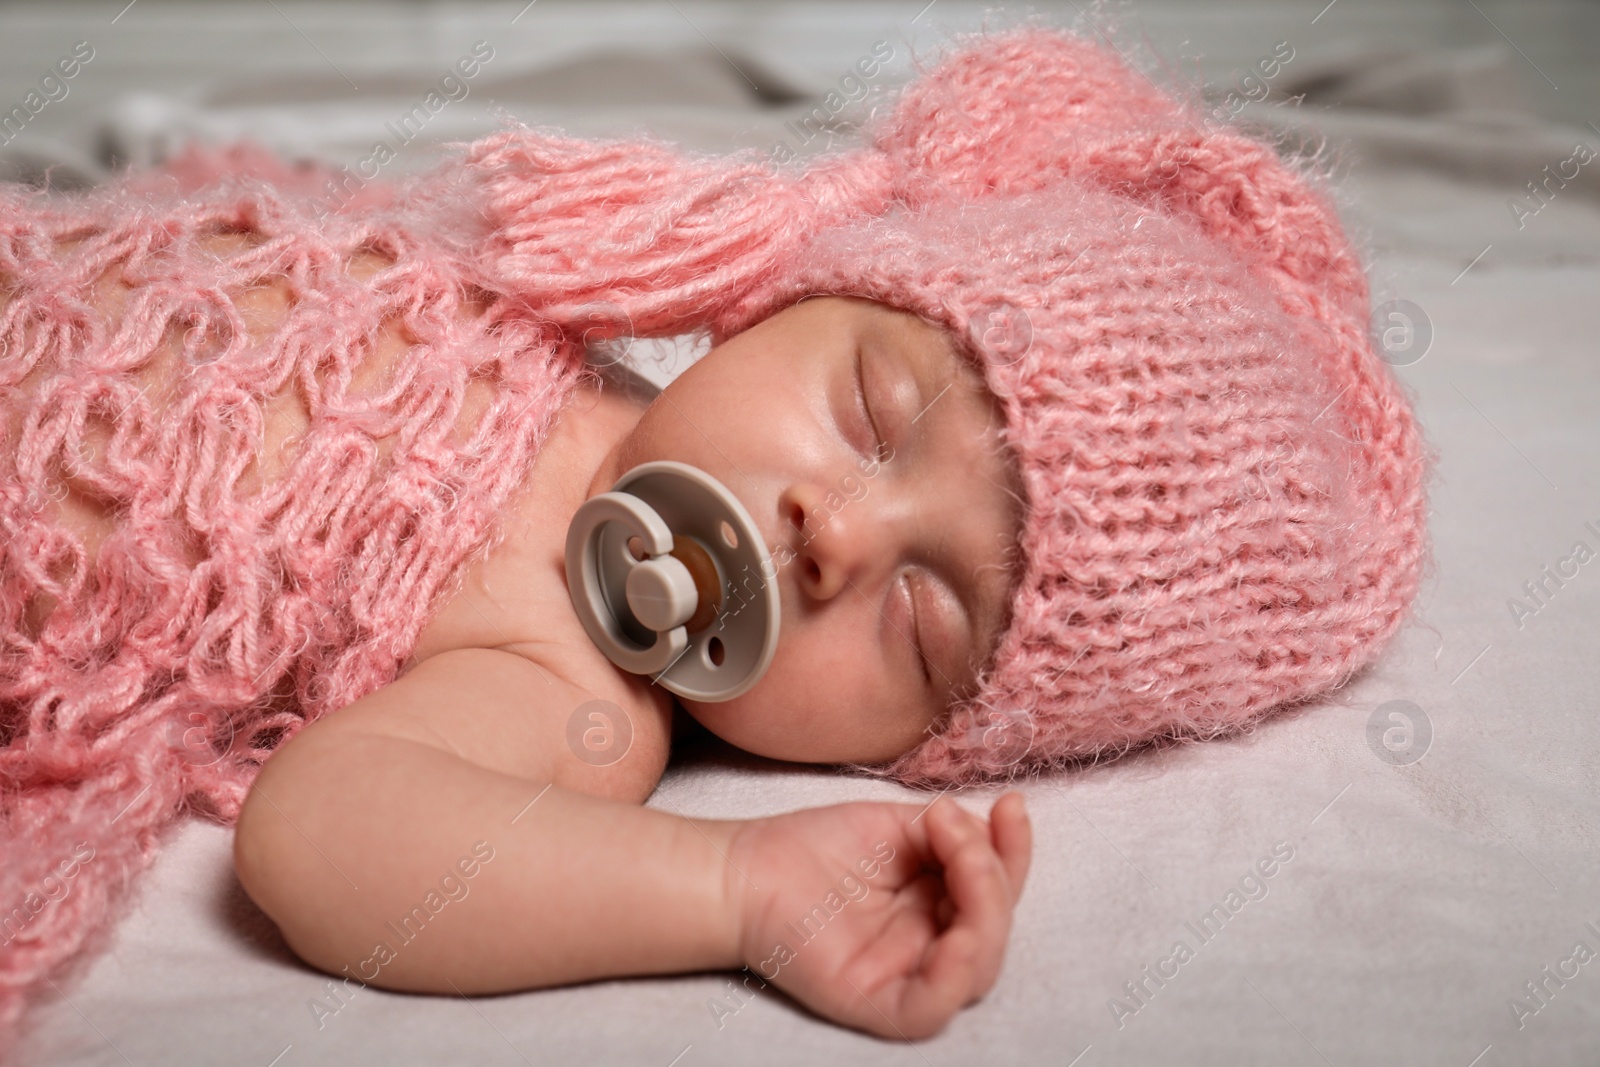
1409 904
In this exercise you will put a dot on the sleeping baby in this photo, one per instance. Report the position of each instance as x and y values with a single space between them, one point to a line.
1041 424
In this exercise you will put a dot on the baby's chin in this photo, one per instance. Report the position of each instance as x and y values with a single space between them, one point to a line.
732 722
718 719
739 725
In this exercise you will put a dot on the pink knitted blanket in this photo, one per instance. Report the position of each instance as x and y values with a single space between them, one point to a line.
216 622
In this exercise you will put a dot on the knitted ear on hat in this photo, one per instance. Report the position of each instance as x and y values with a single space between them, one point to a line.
1025 108
1003 113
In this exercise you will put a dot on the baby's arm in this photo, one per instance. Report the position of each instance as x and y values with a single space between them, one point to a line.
886 917
374 815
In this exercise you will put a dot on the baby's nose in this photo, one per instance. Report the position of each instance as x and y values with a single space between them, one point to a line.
837 540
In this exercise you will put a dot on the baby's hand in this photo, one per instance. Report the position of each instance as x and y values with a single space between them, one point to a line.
879 917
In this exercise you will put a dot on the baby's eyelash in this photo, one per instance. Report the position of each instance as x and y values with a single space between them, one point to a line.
916 634
866 412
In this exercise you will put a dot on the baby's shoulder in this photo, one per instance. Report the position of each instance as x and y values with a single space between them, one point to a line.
612 731
502 709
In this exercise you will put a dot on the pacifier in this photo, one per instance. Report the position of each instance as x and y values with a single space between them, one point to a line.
672 579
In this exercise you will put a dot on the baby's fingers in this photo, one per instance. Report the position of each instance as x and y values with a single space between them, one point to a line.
963 961
1013 839
976 882
1012 835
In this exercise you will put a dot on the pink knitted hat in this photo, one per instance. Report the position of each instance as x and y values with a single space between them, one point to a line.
1224 483
1225 509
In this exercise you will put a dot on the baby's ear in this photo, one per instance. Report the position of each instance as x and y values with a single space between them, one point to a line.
1004 111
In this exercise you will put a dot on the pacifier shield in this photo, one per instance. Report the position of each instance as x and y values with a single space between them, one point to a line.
707 580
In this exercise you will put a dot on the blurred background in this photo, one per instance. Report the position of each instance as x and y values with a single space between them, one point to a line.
322 78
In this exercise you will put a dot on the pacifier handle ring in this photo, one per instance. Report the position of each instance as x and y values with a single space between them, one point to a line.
582 559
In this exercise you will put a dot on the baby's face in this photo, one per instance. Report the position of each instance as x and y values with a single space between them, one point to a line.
891 519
